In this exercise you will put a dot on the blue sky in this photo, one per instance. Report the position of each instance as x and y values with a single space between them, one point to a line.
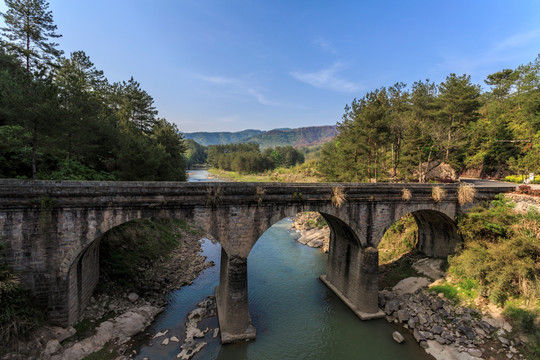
229 65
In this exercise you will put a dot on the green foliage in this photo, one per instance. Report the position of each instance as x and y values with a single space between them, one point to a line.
450 292
74 170
195 153
19 314
129 248
518 179
399 239
501 252
247 158
66 121
525 321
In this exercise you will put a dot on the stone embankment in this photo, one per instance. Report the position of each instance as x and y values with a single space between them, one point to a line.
312 229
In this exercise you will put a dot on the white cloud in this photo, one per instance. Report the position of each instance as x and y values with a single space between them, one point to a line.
325 44
327 78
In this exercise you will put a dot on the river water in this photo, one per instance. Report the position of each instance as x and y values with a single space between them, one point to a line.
296 316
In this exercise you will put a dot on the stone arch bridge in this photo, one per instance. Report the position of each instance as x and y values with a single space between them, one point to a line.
51 231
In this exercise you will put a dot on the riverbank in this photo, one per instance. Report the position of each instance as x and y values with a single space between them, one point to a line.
116 314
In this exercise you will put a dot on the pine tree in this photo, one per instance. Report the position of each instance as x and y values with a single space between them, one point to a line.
29 27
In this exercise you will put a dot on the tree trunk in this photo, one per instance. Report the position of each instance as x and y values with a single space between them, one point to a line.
34 149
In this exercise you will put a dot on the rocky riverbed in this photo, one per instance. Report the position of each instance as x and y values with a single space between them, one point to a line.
445 330
114 316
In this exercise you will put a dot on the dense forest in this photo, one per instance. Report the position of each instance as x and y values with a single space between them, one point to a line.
396 133
247 158
60 118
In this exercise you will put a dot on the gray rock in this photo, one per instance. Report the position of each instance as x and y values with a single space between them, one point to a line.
391 306
437 329
412 322
398 337
440 340
133 297
475 352
418 336
403 316
504 341
423 318
467 331
52 347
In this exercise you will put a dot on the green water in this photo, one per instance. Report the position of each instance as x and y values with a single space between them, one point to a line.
296 316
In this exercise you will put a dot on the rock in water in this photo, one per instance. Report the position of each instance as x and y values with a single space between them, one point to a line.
398 337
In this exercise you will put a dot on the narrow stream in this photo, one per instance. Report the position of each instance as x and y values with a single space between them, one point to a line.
296 316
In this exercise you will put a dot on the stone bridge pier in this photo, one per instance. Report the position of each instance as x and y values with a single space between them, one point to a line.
52 229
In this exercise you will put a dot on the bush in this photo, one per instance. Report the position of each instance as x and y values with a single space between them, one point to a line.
518 179
501 252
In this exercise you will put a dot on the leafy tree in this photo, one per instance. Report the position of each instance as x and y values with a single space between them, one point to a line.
29 28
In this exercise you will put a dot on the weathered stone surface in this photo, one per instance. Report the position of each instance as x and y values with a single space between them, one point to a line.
410 285
64 219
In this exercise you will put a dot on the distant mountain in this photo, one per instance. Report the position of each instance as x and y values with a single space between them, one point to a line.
307 136
221 138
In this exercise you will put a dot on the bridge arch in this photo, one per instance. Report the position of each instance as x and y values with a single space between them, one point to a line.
437 234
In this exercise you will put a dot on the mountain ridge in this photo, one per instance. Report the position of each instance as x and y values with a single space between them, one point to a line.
297 137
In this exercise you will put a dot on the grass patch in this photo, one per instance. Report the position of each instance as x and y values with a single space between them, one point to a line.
527 322
107 353
449 291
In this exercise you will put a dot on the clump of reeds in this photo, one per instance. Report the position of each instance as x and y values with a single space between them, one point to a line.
260 194
438 194
406 194
214 196
338 196
466 194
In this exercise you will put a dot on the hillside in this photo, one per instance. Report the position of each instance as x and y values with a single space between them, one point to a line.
300 137
222 138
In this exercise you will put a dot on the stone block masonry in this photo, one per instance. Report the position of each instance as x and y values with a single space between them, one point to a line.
52 229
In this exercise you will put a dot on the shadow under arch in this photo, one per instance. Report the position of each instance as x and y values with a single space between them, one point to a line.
85 269
438 234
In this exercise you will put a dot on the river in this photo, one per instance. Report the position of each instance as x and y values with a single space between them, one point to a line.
296 316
